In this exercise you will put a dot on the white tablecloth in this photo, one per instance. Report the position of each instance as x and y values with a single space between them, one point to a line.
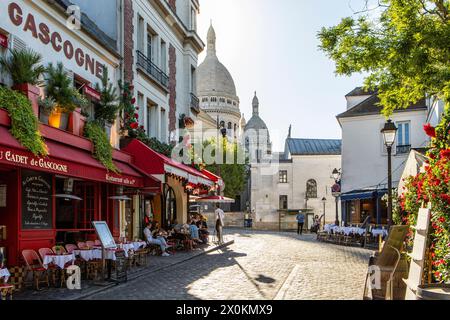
379 232
93 254
328 227
59 260
139 244
89 255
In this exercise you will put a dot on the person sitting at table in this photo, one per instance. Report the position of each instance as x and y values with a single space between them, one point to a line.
203 229
151 240
194 231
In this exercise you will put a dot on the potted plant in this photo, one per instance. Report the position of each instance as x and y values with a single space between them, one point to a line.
46 107
60 88
107 109
26 70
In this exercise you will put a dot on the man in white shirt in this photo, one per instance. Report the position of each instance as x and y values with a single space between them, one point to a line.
151 240
219 217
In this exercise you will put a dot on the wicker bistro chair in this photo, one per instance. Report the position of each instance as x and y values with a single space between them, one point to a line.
34 265
90 244
52 269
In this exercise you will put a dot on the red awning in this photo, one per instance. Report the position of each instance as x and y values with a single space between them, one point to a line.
70 161
213 177
157 165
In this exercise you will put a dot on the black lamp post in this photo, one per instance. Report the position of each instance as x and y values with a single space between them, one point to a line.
389 133
336 191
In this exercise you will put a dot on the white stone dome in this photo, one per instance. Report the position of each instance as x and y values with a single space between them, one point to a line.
255 122
213 78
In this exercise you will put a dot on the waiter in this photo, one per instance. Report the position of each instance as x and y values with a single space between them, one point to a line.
219 216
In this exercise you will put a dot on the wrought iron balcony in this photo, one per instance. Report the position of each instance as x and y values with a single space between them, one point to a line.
195 103
152 70
403 149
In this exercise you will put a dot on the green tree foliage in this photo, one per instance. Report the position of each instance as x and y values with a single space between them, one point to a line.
234 172
403 46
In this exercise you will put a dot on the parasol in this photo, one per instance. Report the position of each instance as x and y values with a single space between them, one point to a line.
215 199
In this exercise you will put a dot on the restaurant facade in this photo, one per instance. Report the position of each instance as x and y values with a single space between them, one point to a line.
53 200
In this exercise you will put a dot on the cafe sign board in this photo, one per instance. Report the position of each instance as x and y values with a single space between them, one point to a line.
48 34
37 200
27 160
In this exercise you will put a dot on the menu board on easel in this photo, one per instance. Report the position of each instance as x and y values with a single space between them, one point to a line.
37 200
104 234
418 254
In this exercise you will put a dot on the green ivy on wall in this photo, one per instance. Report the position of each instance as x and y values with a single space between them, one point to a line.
102 148
24 124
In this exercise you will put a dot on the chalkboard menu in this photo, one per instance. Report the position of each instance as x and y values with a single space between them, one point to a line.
37 197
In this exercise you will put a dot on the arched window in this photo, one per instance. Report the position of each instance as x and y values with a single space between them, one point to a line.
213 99
230 126
205 99
222 124
311 189
235 128
222 100
171 207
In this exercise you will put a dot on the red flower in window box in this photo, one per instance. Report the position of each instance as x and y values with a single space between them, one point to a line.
134 125
133 101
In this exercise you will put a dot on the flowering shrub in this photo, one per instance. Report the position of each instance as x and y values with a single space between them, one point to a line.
433 186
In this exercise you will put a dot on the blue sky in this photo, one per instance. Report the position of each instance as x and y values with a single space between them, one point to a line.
271 46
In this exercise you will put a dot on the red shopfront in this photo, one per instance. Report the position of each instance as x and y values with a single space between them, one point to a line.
48 201
178 182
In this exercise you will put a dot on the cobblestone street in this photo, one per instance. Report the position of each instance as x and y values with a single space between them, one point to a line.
259 265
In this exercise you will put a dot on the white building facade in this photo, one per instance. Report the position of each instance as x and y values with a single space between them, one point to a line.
297 180
161 48
364 155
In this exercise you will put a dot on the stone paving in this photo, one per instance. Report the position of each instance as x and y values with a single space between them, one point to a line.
259 265
156 263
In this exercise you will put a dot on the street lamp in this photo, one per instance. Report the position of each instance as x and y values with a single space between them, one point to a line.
389 133
324 201
336 191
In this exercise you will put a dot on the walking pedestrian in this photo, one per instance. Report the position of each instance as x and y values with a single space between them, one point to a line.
300 223
219 215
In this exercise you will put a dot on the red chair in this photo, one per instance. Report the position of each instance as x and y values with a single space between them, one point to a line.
34 265
82 245
71 247
51 267
59 249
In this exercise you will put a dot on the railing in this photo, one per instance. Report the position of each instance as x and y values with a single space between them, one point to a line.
403 149
152 70
195 102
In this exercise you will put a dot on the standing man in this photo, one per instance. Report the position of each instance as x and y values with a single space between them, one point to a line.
219 216
300 222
